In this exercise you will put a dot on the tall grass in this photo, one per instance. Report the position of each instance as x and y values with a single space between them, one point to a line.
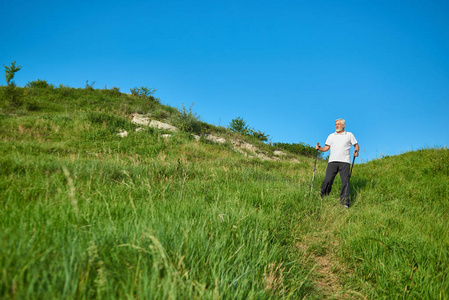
86 214
397 236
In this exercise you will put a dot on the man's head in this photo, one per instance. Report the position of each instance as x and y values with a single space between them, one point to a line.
340 125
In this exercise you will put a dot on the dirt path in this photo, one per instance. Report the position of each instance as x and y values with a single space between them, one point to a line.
327 279
329 271
326 267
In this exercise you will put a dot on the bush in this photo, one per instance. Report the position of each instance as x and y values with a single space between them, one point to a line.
13 95
299 149
239 125
39 84
209 128
145 93
66 91
187 121
261 136
113 92
90 86
160 113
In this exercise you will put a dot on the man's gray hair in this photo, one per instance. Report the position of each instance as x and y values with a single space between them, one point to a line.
343 122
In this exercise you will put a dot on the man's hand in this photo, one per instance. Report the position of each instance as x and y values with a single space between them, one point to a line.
317 147
356 153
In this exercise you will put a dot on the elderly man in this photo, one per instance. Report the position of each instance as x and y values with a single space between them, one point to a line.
340 143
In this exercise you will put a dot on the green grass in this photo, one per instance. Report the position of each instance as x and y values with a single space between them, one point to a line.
397 237
86 214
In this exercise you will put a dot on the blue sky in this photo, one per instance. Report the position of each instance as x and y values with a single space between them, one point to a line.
288 68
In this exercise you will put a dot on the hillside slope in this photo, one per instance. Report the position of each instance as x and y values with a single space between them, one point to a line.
87 214
394 241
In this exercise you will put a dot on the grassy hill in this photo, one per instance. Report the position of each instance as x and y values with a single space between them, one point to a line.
85 213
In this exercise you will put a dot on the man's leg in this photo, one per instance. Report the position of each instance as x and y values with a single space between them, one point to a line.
345 185
331 172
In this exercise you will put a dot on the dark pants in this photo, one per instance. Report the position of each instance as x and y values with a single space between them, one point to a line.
331 171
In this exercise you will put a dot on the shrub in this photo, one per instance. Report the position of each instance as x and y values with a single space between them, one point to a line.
40 84
113 92
261 136
208 128
13 95
90 86
187 120
33 106
160 113
239 125
146 93
65 91
299 149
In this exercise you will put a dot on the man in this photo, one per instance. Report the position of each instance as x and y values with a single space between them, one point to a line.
340 143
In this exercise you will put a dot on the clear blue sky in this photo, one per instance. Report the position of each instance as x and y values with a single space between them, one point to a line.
288 68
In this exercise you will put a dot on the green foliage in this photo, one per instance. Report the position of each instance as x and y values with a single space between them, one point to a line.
10 72
160 113
151 216
39 84
115 91
146 93
187 120
136 92
396 239
210 128
10 93
62 98
111 122
12 96
65 91
90 86
298 149
87 214
261 136
239 125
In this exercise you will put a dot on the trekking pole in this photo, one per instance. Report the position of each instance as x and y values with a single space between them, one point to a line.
350 173
314 167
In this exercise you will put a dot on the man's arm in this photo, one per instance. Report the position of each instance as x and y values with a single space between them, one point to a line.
356 150
322 149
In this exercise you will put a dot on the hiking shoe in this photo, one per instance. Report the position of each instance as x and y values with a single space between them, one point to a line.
346 206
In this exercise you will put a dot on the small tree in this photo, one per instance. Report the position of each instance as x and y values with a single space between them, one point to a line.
10 72
261 136
239 125
11 93
90 86
144 92
187 120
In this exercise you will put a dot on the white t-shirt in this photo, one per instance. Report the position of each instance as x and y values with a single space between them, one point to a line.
340 145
